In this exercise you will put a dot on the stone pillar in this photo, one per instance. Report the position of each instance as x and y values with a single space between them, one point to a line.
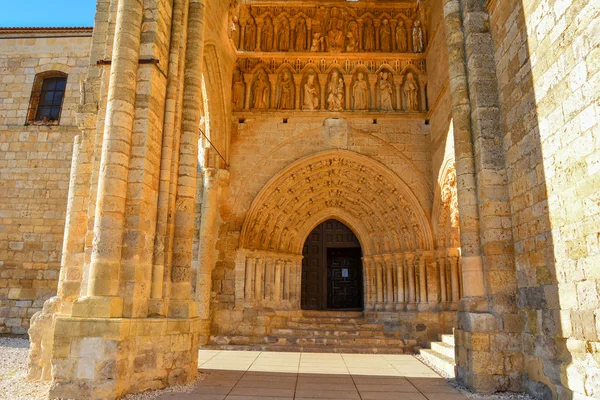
379 278
249 279
259 25
248 79
181 305
400 292
398 85
422 262
372 86
361 30
103 299
214 180
370 284
485 223
297 83
454 280
441 261
412 290
323 93
423 91
277 290
348 87
409 25
273 81
389 282
377 24
393 24
259 280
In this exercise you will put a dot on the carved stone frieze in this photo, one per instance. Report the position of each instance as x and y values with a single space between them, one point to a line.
330 84
318 27
384 212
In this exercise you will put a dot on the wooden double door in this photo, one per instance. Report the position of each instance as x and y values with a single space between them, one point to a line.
332 269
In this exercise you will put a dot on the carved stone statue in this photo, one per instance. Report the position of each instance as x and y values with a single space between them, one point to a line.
335 93
261 92
417 34
239 90
286 92
360 93
301 35
249 35
386 92
411 93
284 35
335 37
369 36
267 35
401 37
311 94
385 36
317 42
352 36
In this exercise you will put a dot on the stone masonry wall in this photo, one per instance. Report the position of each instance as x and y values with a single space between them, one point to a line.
548 58
263 146
35 162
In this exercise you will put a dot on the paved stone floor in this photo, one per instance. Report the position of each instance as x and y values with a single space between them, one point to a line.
245 375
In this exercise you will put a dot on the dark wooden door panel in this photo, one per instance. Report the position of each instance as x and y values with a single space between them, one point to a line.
331 268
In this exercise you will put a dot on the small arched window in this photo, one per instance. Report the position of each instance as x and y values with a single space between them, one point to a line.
47 98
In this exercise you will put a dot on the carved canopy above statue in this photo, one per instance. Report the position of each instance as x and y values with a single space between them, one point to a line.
341 184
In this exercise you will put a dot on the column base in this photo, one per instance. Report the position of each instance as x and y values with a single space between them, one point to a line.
98 307
106 358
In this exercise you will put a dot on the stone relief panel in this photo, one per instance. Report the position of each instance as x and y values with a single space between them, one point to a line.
317 28
331 85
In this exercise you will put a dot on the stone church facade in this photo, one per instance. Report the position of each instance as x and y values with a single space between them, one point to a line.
204 173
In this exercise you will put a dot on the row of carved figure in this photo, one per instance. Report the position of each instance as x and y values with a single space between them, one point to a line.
330 29
426 281
335 91
349 37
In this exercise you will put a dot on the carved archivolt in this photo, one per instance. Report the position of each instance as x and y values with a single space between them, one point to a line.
445 215
312 28
329 85
355 189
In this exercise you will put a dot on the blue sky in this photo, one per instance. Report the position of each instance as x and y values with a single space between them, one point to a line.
47 13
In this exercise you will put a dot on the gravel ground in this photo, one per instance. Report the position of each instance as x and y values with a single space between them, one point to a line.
476 396
13 371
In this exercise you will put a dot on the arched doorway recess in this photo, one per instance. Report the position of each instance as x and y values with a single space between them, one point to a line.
402 271
332 270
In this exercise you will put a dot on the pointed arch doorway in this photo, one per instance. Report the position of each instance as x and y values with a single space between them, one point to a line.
332 273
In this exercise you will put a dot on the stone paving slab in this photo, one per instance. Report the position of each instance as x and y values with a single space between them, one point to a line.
240 375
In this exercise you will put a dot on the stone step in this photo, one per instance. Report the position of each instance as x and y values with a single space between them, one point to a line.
309 340
301 332
336 326
448 339
440 361
314 348
332 314
443 348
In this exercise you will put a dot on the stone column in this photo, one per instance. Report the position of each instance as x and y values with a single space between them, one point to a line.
277 289
379 277
163 241
409 24
361 28
249 279
269 280
214 180
259 280
323 84
400 292
454 279
348 87
422 281
273 81
398 85
370 284
393 24
109 225
377 24
372 86
181 305
298 287
412 292
259 25
423 90
389 282
248 78
441 261
297 83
